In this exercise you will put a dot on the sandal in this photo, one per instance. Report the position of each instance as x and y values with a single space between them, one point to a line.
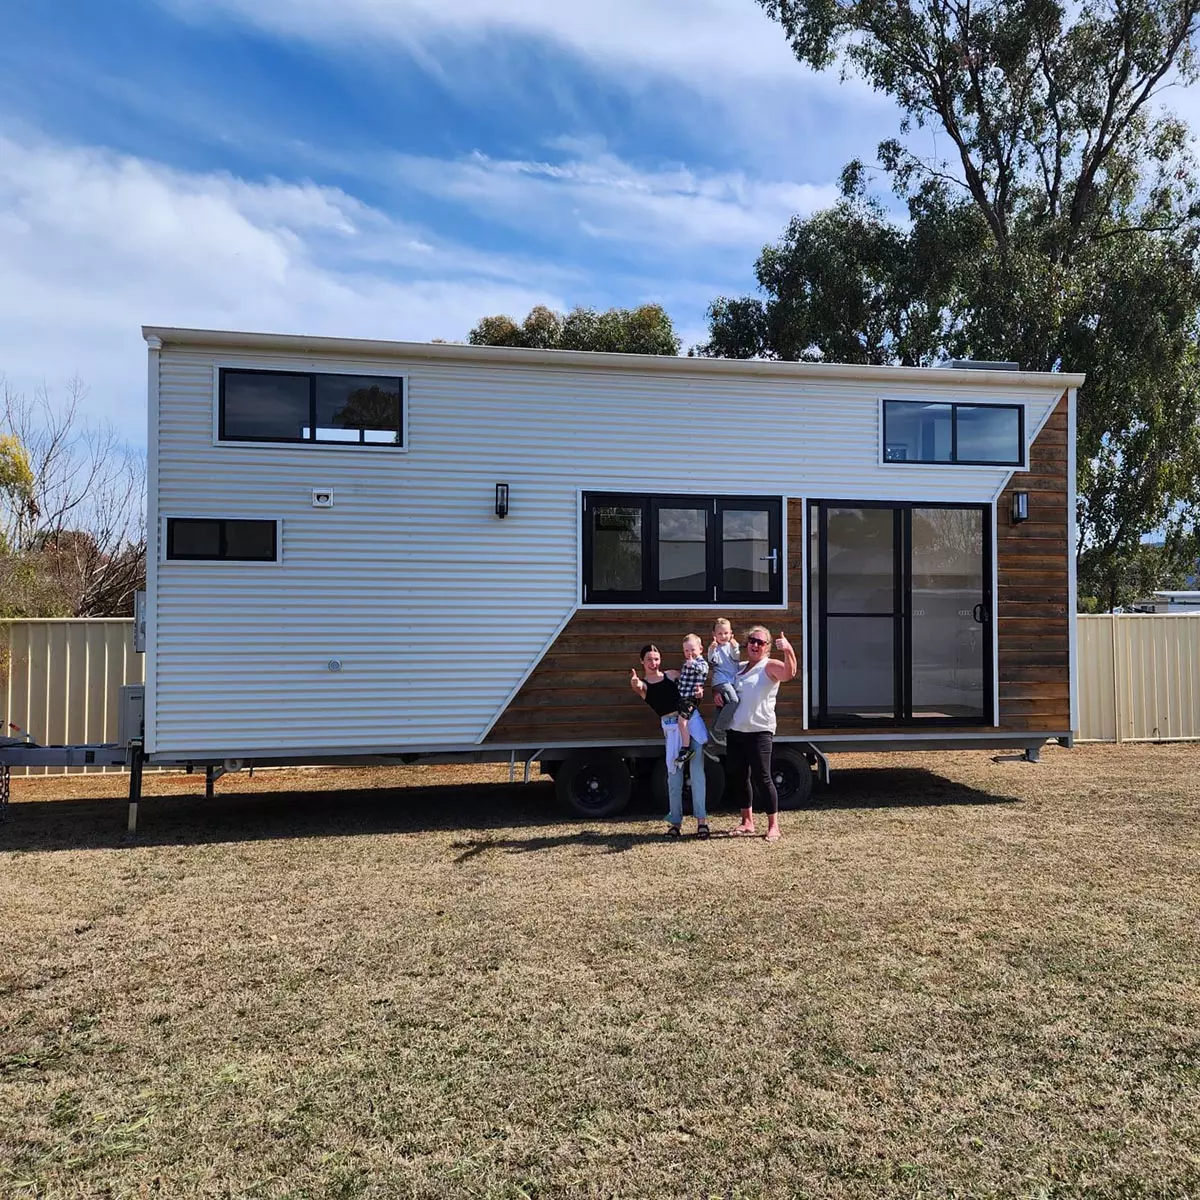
673 831
702 830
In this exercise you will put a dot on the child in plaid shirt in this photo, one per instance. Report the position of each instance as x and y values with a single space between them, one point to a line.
692 675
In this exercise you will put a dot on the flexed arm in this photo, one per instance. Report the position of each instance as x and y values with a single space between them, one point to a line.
781 672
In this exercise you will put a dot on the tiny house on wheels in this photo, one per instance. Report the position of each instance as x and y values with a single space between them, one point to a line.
367 549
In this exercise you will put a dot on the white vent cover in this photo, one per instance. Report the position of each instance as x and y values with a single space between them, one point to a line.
322 497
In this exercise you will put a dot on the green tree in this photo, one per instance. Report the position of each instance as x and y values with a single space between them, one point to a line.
1062 233
18 491
646 329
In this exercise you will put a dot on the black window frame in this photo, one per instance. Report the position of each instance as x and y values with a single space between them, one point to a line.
222 554
714 592
312 439
954 460
901 617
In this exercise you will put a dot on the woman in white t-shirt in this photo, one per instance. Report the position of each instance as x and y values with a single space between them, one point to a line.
751 733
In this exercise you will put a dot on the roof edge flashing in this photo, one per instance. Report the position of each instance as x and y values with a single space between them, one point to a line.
296 344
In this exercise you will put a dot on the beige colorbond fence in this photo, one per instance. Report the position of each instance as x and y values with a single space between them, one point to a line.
1139 678
61 681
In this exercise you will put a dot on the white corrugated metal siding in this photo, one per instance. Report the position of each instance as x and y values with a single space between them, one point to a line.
61 680
436 608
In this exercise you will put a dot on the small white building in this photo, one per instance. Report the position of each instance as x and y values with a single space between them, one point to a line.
1176 602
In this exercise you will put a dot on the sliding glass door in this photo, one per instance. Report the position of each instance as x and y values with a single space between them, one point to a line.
900 614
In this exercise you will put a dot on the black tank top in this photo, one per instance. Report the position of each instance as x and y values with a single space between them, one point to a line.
663 696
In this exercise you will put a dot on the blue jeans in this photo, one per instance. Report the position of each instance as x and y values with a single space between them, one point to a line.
675 791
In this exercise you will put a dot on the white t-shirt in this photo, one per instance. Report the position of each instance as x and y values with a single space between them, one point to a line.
756 691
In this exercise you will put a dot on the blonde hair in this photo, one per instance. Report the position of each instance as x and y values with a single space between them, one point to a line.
763 630
723 623
694 637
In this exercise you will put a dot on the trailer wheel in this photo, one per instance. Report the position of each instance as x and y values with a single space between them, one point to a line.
593 783
793 777
714 784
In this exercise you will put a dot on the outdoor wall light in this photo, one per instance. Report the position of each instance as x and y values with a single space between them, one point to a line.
502 500
1020 508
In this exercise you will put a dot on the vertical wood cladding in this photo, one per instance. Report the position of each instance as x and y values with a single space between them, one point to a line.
580 691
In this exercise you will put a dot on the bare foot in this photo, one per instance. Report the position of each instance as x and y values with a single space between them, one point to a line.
742 830
773 834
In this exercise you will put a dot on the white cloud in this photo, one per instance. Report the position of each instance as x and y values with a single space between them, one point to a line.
95 245
674 211
718 72
693 39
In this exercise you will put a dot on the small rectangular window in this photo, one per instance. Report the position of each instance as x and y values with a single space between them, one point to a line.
617 548
310 407
988 433
682 550
918 432
749 551
222 539
358 408
966 434
264 406
682 543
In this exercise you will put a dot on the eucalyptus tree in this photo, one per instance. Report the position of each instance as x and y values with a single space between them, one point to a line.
646 329
1061 230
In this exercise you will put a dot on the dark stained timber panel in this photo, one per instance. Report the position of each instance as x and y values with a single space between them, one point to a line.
1033 600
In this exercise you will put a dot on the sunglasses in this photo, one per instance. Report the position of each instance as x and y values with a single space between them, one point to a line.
756 641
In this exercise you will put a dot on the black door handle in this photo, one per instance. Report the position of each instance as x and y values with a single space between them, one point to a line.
980 613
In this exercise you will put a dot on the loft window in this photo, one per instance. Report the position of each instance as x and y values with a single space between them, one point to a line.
309 407
220 539
682 549
965 434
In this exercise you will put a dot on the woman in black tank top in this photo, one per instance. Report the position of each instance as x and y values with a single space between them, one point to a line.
659 690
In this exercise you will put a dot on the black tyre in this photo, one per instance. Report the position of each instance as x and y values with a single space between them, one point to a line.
793 777
714 785
593 783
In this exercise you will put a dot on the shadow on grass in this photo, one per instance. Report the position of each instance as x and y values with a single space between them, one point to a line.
175 819
612 842
249 816
899 787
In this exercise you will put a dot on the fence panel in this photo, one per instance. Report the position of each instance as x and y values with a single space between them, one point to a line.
1139 677
1097 678
61 680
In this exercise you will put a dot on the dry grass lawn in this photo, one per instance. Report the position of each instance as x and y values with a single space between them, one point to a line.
953 977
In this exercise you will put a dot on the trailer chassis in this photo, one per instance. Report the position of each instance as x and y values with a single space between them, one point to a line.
592 780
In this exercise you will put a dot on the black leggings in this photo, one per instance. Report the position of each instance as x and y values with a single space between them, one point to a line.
748 762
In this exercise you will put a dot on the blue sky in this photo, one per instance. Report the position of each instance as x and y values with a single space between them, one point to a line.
389 168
